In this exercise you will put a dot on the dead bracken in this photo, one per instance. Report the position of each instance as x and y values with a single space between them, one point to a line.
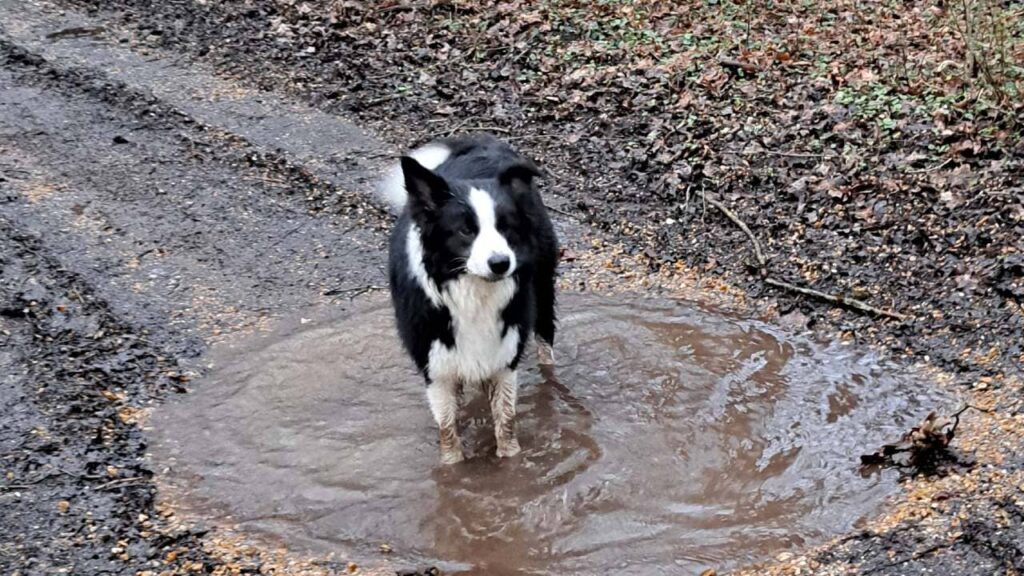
923 446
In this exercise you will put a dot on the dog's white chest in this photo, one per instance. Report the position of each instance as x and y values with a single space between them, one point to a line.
480 350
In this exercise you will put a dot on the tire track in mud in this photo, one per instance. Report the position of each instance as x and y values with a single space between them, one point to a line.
326 149
158 212
76 495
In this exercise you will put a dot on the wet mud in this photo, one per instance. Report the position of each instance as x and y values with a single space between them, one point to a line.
670 439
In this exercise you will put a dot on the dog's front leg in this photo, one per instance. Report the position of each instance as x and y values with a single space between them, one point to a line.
504 392
545 353
443 396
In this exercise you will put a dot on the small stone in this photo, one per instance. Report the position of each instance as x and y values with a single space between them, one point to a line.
63 506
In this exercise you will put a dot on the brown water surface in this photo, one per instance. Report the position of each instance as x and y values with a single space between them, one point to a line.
673 440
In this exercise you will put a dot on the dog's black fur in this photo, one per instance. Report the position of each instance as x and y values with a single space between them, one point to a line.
437 205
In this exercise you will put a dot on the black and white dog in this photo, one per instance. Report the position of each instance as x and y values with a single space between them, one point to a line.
472 269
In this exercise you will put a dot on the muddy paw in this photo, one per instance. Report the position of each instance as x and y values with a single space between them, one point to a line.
508 449
452 456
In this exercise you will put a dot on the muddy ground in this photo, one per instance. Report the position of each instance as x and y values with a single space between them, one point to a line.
174 173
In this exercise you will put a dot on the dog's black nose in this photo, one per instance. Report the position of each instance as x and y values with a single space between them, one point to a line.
498 263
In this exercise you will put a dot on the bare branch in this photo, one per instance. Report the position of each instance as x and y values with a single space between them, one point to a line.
762 264
841 300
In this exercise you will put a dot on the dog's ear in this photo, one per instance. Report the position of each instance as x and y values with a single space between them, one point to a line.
518 178
427 191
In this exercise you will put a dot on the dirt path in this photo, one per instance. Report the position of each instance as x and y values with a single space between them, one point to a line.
149 209
133 235
147 213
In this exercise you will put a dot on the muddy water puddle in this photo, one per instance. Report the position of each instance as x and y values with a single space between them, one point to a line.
674 439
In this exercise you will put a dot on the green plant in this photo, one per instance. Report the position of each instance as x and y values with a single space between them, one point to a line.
991 30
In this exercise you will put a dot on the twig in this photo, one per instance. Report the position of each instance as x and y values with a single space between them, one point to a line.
762 264
275 181
353 292
783 153
285 236
562 212
931 169
462 126
119 482
488 129
530 137
956 415
383 99
841 300
732 64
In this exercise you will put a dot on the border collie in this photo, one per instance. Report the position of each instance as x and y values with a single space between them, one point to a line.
472 270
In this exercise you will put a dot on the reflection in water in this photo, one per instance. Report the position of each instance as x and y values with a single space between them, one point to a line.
672 439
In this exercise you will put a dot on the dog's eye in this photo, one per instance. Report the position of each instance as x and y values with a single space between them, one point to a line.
467 229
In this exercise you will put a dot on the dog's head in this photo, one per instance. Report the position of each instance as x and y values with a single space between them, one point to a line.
476 227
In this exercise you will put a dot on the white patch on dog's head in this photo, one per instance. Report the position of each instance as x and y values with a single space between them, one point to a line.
490 256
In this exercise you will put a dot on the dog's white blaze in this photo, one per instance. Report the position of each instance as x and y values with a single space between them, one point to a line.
392 187
480 350
489 242
414 252
475 306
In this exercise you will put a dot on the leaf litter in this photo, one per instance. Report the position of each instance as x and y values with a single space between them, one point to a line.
862 141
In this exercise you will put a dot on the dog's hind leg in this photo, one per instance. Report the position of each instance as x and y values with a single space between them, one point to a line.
443 396
503 391
545 329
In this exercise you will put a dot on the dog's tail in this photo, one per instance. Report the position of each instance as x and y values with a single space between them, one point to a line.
392 186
